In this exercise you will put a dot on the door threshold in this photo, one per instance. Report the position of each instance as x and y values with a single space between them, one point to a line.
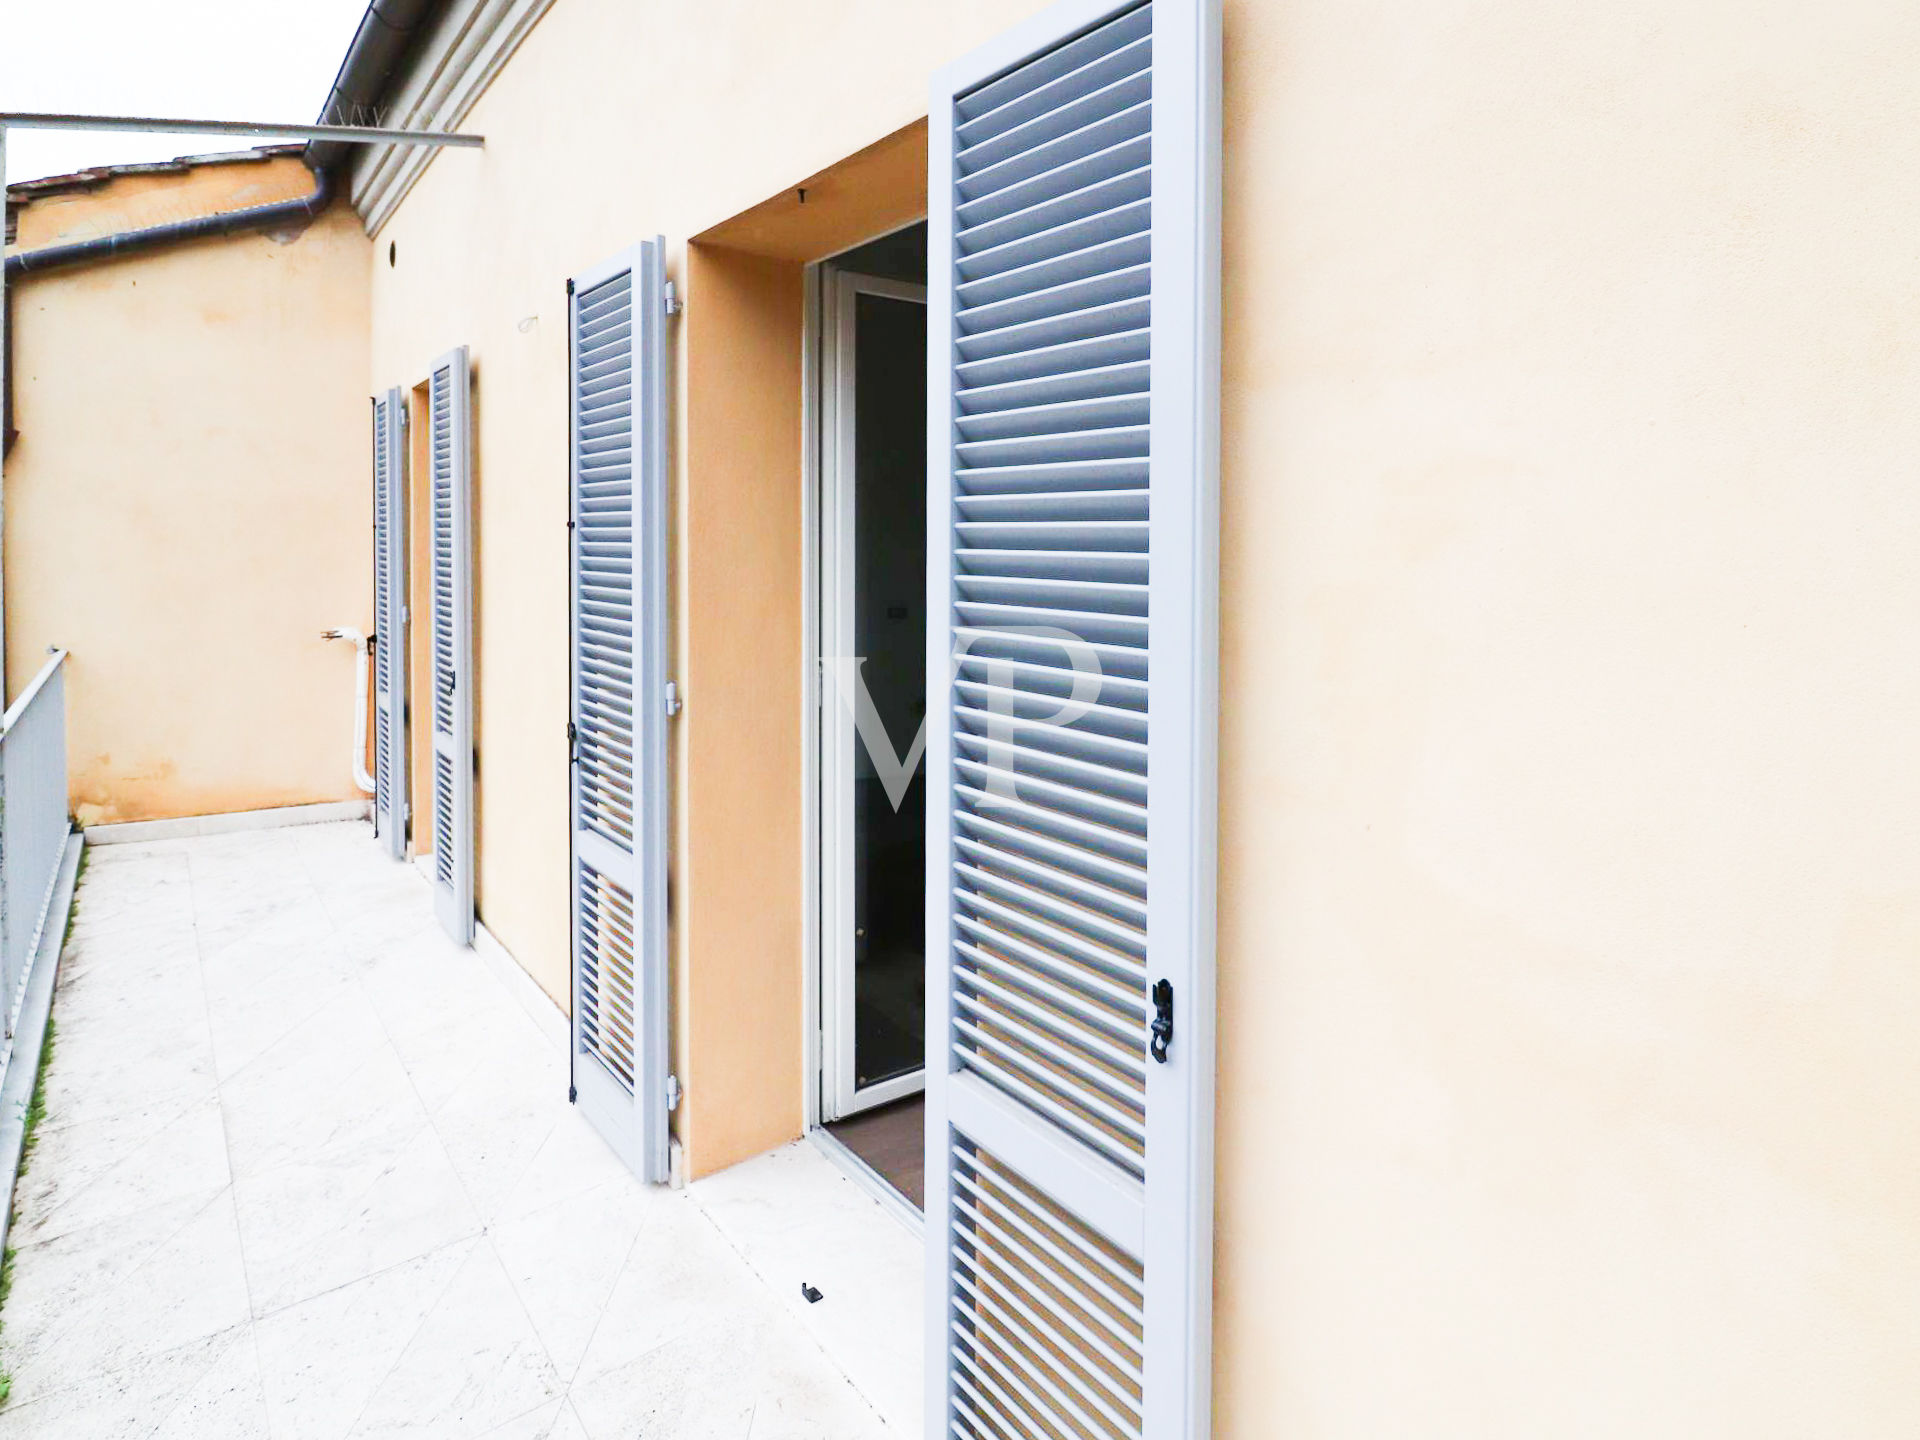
869 1180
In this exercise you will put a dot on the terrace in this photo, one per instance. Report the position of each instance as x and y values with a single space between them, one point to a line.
307 1169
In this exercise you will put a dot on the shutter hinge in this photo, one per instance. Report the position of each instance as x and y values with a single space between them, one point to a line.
569 287
573 740
573 1092
673 698
671 299
673 1093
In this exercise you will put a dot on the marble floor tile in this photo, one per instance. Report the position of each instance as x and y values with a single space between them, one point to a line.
121 1064
572 1160
498 1119
795 1218
474 1364
227 1402
121 1165
322 1360
58 1279
124 1404
564 1260
302 1104
190 1285
541 1424
309 1172
679 1277
330 1219
751 1376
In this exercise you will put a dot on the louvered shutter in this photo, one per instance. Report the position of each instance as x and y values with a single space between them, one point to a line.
450 507
1073 333
390 623
617 316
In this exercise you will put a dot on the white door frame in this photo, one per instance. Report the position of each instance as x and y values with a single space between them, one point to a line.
840 1096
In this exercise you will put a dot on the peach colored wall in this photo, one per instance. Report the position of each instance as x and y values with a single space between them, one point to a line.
1571 823
740 907
186 505
1570 838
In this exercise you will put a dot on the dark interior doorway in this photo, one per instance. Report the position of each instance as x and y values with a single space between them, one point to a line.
882 391
890 585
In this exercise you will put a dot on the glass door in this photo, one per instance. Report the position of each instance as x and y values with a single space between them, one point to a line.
873 642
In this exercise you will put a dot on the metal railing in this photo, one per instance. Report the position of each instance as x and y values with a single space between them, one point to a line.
33 821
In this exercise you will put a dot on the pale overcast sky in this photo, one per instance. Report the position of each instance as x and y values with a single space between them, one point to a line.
198 59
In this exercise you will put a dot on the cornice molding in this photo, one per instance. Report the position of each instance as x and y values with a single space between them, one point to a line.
469 45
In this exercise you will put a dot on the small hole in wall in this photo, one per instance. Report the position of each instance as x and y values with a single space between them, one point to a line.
393 253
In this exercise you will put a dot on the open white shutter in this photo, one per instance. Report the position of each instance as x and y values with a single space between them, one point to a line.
450 506
1073 334
390 622
618 730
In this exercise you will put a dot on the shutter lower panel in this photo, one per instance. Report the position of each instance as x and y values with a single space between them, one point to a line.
389 624
450 505
619 717
1073 316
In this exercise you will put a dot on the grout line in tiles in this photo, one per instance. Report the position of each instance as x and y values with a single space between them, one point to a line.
280 1310
525 1314
516 1419
181 1396
58 1333
259 1370
486 1238
126 1160
600 1318
776 1298
400 1351
357 1199
276 1041
220 1099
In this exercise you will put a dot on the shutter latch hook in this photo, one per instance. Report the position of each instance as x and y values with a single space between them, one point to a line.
1162 1020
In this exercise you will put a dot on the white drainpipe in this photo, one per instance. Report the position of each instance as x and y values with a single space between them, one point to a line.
360 775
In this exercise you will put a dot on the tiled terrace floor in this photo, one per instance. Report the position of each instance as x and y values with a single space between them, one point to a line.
308 1171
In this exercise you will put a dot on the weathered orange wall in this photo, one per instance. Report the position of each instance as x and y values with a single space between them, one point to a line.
186 504
60 212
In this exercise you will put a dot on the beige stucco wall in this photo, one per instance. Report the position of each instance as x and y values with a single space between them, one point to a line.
186 504
1570 832
1571 840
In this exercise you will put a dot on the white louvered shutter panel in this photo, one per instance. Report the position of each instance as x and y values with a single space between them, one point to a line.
450 509
1073 333
619 722
390 623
